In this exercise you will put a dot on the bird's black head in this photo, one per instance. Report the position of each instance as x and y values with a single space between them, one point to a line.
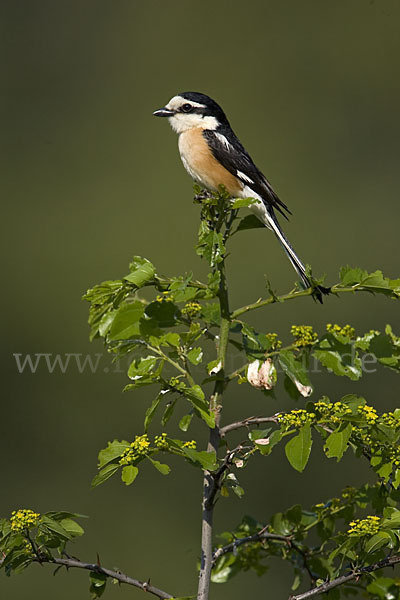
188 110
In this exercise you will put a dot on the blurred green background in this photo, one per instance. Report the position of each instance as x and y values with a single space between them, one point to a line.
91 178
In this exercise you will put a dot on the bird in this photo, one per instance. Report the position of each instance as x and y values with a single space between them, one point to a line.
213 155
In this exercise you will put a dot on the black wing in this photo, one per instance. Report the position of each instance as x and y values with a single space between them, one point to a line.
227 149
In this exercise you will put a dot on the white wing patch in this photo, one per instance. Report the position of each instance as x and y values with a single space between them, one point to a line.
244 177
223 141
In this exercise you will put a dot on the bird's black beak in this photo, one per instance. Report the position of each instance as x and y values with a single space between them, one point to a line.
163 112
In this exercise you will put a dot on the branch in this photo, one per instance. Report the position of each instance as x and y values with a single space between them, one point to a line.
211 483
355 574
246 422
336 289
95 568
256 537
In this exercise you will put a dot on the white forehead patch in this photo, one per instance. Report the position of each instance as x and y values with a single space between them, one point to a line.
178 101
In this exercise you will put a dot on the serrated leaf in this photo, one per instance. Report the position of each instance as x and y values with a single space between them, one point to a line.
351 276
163 469
293 368
341 359
141 271
114 450
129 474
337 442
298 449
211 313
126 322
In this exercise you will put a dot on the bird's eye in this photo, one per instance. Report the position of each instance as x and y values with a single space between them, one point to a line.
187 108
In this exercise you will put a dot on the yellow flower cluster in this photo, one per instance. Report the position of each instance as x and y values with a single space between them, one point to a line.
24 518
191 444
324 411
390 419
191 309
349 492
161 441
368 526
304 335
164 297
369 413
331 411
346 330
174 382
139 447
273 340
296 418
375 447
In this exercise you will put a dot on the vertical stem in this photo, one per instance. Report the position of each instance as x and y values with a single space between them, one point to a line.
216 406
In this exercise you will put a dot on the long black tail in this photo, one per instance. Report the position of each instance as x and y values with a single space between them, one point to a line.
272 223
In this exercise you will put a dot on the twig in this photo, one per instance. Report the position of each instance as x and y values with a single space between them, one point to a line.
336 289
256 537
355 574
95 568
246 422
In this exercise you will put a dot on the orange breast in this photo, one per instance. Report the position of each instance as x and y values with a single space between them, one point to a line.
201 164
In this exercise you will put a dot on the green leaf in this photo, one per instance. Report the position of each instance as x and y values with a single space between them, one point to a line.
351 276
141 271
293 368
195 355
163 469
104 474
341 359
207 460
211 313
211 247
129 473
184 423
55 527
126 322
150 412
142 366
298 448
106 321
165 313
169 410
72 527
114 450
382 538
97 584
243 202
336 444
196 397
249 222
